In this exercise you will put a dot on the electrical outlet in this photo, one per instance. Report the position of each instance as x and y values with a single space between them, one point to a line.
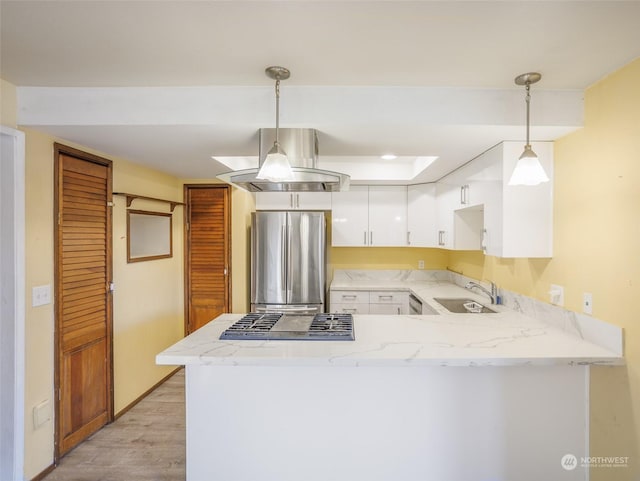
587 303
420 264
556 295
40 295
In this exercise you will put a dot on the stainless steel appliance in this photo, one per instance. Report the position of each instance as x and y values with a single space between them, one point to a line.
287 327
288 261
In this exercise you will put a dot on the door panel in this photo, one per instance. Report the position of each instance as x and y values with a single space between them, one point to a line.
268 254
306 248
83 307
207 254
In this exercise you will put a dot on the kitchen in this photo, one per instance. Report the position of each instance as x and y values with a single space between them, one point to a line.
587 257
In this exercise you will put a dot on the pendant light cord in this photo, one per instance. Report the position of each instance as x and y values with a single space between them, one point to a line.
528 100
277 110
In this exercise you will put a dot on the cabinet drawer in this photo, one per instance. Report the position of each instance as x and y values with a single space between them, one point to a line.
349 297
346 308
388 297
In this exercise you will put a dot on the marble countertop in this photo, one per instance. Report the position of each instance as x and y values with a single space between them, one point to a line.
505 338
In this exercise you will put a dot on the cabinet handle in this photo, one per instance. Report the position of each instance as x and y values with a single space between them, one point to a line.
483 244
466 194
371 238
380 298
297 201
462 194
365 237
440 237
408 238
345 297
398 311
291 201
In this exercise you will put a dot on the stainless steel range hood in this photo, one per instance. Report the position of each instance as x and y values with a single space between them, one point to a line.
301 146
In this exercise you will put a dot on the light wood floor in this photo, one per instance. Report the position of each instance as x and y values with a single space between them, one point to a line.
146 444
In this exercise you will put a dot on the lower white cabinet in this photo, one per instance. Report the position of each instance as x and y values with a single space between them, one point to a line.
369 302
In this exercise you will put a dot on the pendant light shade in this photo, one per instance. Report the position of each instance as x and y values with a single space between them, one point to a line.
528 170
276 166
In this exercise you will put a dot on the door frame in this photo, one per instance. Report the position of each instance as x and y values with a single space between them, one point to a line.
79 154
13 313
187 264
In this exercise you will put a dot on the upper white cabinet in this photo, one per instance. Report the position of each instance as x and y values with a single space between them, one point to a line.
293 201
387 215
369 216
421 215
478 210
519 220
350 217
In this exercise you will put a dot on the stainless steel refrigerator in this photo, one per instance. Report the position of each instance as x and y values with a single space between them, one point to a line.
288 261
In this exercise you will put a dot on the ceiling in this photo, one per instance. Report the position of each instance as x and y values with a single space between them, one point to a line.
170 84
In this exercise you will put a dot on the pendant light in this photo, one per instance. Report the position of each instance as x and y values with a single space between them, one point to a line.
276 166
528 169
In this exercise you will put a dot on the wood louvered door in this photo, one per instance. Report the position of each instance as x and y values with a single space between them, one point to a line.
83 300
207 254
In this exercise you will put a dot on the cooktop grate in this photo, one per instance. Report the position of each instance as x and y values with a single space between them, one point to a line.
321 327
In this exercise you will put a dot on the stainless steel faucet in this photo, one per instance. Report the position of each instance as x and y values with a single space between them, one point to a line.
493 293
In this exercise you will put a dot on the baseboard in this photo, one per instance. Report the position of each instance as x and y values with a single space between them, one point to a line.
125 409
42 474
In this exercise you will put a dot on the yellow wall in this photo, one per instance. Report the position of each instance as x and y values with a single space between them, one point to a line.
596 250
148 301
385 258
8 104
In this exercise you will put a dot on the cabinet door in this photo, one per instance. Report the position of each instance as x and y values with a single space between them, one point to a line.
349 217
293 201
447 198
312 200
274 201
388 309
387 215
421 215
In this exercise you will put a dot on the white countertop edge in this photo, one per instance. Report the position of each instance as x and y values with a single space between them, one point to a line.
177 360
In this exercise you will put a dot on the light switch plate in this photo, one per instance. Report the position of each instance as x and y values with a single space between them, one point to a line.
420 264
41 295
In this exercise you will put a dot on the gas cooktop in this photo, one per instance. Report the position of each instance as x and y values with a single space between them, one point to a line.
288 327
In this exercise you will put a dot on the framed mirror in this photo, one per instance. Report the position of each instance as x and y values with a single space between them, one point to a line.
148 235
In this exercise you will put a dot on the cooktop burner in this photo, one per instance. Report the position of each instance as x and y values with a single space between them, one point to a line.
278 326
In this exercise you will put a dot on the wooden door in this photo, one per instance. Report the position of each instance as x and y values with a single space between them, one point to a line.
83 301
207 252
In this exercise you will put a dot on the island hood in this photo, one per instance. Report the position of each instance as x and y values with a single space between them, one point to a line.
301 146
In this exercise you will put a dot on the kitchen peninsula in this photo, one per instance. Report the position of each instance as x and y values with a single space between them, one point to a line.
446 397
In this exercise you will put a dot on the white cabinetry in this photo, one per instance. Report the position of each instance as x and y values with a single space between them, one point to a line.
478 210
520 221
369 302
293 200
369 216
421 215
349 302
389 302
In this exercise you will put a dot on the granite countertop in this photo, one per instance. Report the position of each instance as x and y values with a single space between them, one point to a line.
505 338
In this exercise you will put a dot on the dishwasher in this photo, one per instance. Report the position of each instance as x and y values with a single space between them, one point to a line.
415 305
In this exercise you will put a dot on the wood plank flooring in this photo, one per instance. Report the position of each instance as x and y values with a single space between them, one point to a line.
146 444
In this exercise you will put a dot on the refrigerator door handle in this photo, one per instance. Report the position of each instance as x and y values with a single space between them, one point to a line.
283 258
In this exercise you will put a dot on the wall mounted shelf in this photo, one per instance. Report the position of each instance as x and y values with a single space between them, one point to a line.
131 197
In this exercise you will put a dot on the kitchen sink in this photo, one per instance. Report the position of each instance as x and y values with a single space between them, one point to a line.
462 305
